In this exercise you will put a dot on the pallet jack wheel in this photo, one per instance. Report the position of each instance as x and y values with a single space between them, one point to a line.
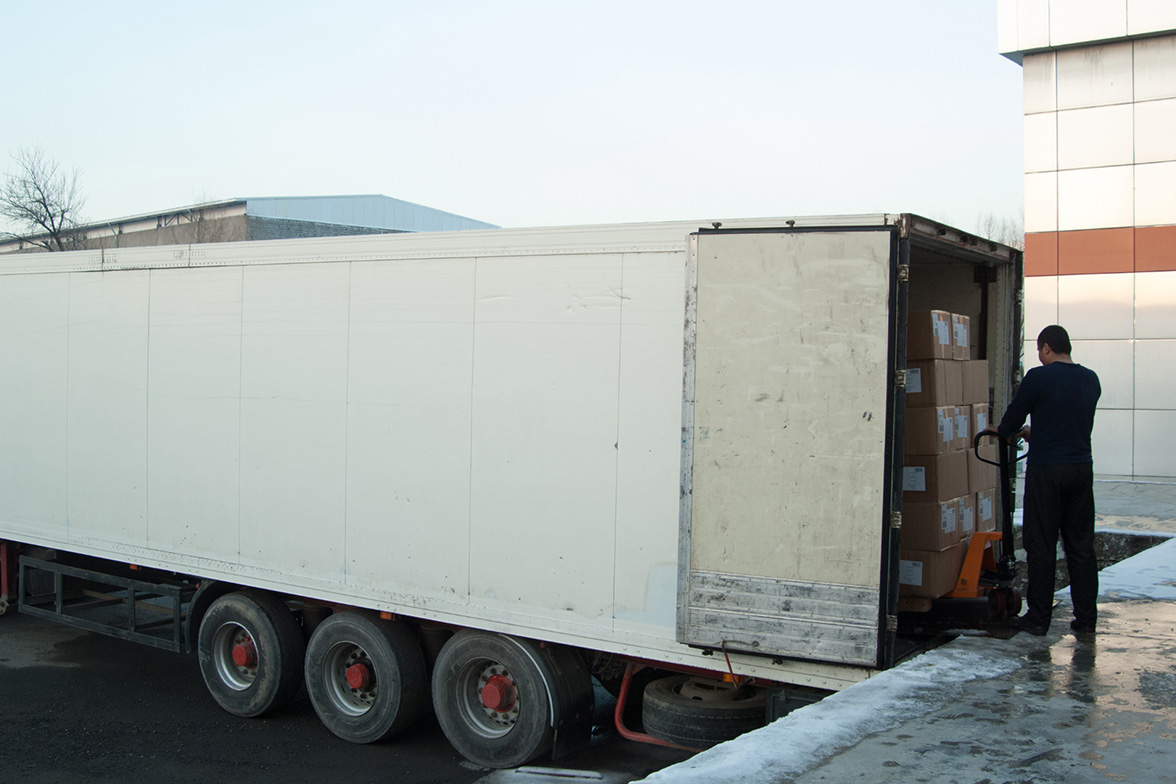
1004 602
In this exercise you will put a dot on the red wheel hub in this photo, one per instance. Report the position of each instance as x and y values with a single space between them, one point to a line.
359 676
245 654
498 693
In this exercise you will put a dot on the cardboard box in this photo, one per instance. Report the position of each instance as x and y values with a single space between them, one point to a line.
931 478
963 426
929 335
981 475
974 373
930 574
967 516
929 431
934 382
980 420
986 510
961 337
931 527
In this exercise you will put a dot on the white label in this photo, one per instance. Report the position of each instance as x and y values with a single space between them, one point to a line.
910 572
961 334
942 332
981 421
986 508
967 519
946 428
962 425
947 519
914 381
914 479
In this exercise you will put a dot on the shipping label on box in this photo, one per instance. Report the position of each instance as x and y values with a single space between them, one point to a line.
934 382
932 478
967 516
979 418
929 335
963 435
929 431
986 510
930 574
930 526
961 337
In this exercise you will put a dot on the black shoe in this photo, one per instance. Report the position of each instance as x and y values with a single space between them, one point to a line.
1023 624
1082 628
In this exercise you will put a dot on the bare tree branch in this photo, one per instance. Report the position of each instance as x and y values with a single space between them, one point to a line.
43 201
1007 231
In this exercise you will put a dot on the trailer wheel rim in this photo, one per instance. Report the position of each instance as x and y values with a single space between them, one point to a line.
488 698
233 638
344 659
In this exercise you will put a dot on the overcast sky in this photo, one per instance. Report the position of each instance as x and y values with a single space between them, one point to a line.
524 112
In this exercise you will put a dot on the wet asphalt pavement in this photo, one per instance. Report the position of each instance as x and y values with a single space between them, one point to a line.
81 708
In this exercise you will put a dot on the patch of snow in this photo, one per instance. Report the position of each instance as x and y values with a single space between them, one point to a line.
807 736
1147 575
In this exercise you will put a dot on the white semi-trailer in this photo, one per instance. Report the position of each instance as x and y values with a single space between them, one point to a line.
477 468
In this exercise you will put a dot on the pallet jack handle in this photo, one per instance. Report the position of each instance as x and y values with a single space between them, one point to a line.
1006 462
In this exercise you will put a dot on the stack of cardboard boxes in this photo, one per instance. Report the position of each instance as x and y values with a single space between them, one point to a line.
948 494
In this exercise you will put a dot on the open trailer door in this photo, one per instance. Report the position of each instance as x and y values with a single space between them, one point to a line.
788 460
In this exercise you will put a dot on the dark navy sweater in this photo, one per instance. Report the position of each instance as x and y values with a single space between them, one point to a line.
1061 398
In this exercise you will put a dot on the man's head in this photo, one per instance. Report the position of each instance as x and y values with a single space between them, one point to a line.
1053 344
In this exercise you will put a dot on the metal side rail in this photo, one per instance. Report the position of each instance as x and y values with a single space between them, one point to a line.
144 612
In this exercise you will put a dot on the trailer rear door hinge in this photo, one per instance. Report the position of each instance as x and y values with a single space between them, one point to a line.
900 380
896 520
892 623
904 273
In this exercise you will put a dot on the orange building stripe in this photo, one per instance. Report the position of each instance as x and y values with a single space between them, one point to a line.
1041 254
1096 251
1155 248
1101 251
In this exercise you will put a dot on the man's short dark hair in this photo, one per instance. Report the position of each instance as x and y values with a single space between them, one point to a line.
1056 338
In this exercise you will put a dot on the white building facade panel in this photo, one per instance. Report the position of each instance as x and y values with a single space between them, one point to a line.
1095 198
1155 194
1098 136
1100 206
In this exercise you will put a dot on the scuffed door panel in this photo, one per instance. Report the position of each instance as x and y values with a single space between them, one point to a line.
784 449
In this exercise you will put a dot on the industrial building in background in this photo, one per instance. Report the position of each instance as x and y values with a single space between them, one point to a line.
237 220
1100 207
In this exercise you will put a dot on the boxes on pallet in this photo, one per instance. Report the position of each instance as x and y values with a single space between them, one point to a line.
930 574
930 431
934 382
981 475
930 526
961 345
929 335
932 478
974 378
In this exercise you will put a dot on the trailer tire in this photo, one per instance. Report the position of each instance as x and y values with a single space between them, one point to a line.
366 677
491 699
698 712
250 650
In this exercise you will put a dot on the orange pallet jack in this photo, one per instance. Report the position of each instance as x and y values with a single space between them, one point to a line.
984 596
990 565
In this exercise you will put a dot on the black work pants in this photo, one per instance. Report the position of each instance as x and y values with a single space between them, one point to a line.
1059 499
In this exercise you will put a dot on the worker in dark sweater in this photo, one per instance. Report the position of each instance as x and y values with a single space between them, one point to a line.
1059 398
